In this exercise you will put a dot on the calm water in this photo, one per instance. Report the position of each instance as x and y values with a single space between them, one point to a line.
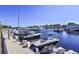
67 41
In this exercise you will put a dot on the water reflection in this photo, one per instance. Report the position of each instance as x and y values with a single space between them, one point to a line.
64 34
67 41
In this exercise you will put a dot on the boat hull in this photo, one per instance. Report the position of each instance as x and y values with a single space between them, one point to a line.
33 47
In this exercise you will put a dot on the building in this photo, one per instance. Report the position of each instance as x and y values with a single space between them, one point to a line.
71 27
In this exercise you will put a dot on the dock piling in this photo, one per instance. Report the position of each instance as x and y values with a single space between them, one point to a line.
8 34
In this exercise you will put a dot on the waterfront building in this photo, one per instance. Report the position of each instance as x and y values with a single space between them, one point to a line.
71 27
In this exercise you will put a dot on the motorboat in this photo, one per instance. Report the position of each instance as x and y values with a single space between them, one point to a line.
42 44
49 41
20 32
26 34
32 36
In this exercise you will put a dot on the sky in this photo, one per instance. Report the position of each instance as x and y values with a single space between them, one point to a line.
38 14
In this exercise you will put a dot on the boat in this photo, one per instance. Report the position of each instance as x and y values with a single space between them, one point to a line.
20 32
25 34
41 44
32 36
49 41
58 30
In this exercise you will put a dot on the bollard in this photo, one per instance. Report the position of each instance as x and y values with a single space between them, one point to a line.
8 35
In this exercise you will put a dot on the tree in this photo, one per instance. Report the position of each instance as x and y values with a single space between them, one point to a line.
50 26
56 26
46 26
71 23
0 25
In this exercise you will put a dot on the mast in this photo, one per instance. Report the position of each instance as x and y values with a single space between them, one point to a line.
18 20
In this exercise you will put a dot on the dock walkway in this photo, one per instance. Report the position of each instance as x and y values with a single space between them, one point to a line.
13 46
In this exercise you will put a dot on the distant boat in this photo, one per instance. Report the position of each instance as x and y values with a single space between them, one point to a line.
58 30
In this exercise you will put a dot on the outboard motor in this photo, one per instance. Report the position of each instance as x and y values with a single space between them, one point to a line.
37 50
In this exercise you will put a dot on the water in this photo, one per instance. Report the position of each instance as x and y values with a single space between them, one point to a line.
67 41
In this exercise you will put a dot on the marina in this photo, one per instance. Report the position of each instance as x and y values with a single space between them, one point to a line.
33 32
48 42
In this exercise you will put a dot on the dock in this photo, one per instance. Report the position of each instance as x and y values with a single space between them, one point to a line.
13 46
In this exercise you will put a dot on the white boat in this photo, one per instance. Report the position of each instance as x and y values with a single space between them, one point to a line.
39 45
32 35
50 40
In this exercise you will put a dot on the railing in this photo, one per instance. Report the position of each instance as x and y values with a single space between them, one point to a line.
0 41
3 49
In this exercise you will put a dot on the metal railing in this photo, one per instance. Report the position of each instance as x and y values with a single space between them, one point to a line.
3 49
